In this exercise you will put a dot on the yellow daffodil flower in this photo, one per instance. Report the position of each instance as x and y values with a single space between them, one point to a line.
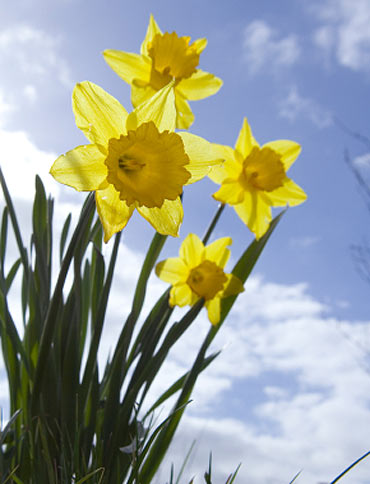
165 57
253 178
198 273
134 160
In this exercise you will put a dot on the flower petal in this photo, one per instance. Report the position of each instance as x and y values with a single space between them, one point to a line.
129 66
219 173
255 213
288 151
152 30
172 270
160 109
200 45
165 220
181 295
202 156
289 194
82 168
113 212
214 310
245 141
98 114
141 94
199 85
185 116
217 251
232 286
192 250
230 192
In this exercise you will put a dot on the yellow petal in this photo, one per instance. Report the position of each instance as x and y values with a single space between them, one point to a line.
199 45
141 94
230 192
233 286
185 116
152 30
165 220
181 295
288 151
199 85
82 168
245 141
219 173
289 194
214 310
172 270
201 155
217 251
129 66
98 114
160 109
192 250
113 212
255 213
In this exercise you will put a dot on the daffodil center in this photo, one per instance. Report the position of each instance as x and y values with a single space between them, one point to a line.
147 167
207 279
127 163
263 169
173 58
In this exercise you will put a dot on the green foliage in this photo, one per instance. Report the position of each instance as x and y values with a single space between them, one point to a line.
71 420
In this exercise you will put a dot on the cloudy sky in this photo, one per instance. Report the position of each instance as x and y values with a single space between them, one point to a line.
291 390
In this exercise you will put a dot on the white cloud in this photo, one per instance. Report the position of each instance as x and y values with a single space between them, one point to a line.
298 394
30 93
33 52
30 65
295 106
5 109
21 160
263 47
345 32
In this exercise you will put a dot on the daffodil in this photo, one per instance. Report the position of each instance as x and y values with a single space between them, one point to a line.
134 161
165 57
253 178
199 274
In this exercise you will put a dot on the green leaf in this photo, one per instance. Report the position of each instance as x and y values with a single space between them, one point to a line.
64 235
56 300
14 220
178 385
245 264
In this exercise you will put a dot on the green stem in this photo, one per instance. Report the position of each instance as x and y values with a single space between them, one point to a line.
213 223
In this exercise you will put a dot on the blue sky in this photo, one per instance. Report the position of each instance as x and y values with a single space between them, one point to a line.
282 396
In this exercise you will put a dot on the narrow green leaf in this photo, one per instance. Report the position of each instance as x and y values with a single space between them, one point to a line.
3 236
178 385
91 474
245 264
98 322
14 220
51 317
350 467
232 477
4 433
12 273
64 235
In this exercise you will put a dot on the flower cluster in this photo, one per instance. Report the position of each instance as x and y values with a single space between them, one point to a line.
139 161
